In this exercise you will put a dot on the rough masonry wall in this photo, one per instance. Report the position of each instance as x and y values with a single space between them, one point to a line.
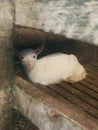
6 26
77 19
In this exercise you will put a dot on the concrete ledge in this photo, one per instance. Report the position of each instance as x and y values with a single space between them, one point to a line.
48 111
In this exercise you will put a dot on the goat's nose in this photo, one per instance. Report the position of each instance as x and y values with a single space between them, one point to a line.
28 64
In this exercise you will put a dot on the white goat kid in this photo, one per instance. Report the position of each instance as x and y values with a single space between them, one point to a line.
52 68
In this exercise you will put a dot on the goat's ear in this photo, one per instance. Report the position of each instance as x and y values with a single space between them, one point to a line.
16 52
40 49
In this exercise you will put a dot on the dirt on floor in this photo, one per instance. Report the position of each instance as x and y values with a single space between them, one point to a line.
21 123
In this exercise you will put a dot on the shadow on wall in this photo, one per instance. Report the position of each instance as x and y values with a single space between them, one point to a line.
30 38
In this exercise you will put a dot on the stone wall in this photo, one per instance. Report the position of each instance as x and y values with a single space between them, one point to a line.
76 19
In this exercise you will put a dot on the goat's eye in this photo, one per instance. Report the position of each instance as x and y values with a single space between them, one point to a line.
34 56
21 57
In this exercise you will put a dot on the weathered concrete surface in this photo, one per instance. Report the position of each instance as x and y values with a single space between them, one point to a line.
76 19
6 25
5 110
47 111
38 113
6 17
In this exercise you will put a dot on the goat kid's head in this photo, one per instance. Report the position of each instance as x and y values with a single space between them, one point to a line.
29 57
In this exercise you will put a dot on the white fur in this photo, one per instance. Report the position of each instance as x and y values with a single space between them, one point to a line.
54 68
